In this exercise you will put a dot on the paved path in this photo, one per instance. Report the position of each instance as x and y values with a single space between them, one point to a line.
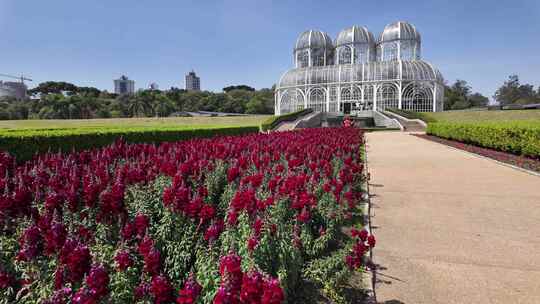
451 227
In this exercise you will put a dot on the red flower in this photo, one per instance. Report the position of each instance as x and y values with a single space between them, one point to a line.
152 261
251 291
123 260
371 241
252 243
161 290
98 282
272 292
6 280
142 222
207 212
190 292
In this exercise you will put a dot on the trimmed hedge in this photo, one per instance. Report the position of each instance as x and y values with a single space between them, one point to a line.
518 137
411 114
273 121
25 144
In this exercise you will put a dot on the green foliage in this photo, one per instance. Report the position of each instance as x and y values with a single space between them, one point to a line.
25 143
273 121
459 96
513 92
61 100
238 87
518 137
329 273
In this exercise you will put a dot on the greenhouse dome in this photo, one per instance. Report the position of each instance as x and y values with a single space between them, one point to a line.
363 74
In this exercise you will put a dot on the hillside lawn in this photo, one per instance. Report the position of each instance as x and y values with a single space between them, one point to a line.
483 116
116 123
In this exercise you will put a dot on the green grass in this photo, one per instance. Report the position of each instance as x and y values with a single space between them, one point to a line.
118 123
483 116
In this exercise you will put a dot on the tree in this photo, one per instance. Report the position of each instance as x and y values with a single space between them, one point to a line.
513 92
162 106
255 106
459 96
141 105
238 87
90 91
478 100
55 87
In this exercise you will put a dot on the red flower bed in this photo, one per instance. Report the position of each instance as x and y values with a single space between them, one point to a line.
515 160
222 220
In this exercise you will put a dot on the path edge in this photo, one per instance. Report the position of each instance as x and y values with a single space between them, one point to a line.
369 275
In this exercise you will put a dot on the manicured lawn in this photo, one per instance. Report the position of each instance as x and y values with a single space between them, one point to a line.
483 115
189 122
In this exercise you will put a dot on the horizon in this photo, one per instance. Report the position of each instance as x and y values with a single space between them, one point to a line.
480 43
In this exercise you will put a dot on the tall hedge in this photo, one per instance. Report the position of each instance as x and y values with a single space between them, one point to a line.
519 137
26 143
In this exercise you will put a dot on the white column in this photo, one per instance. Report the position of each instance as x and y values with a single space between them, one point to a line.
399 96
277 107
306 99
327 100
435 98
339 98
374 97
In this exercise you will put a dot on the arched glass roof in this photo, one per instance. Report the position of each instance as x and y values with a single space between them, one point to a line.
313 39
418 70
354 35
399 31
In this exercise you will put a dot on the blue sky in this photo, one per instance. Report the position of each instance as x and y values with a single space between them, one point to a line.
250 42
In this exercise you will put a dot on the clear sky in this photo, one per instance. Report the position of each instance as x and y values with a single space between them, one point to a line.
90 42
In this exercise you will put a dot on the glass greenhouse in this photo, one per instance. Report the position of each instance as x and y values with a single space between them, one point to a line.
357 73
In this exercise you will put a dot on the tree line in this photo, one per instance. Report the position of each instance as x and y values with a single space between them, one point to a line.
459 95
62 100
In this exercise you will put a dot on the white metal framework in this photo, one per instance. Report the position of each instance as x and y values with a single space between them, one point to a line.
358 73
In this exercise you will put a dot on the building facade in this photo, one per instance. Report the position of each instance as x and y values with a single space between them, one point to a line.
193 83
356 73
13 89
124 86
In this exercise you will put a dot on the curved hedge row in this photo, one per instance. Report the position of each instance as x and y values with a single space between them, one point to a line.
26 143
522 138
273 121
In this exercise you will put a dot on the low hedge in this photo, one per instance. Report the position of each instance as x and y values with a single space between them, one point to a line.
411 114
24 144
518 137
273 121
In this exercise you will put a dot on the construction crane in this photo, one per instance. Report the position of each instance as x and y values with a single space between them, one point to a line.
21 78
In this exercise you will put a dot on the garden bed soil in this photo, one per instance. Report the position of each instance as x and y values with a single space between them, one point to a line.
523 162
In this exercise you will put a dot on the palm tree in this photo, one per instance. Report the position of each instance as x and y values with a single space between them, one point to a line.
87 105
141 105
162 106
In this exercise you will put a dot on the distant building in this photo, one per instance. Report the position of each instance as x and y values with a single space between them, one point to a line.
13 89
153 86
124 86
193 83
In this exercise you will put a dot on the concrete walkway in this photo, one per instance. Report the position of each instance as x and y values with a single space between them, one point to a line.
451 227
